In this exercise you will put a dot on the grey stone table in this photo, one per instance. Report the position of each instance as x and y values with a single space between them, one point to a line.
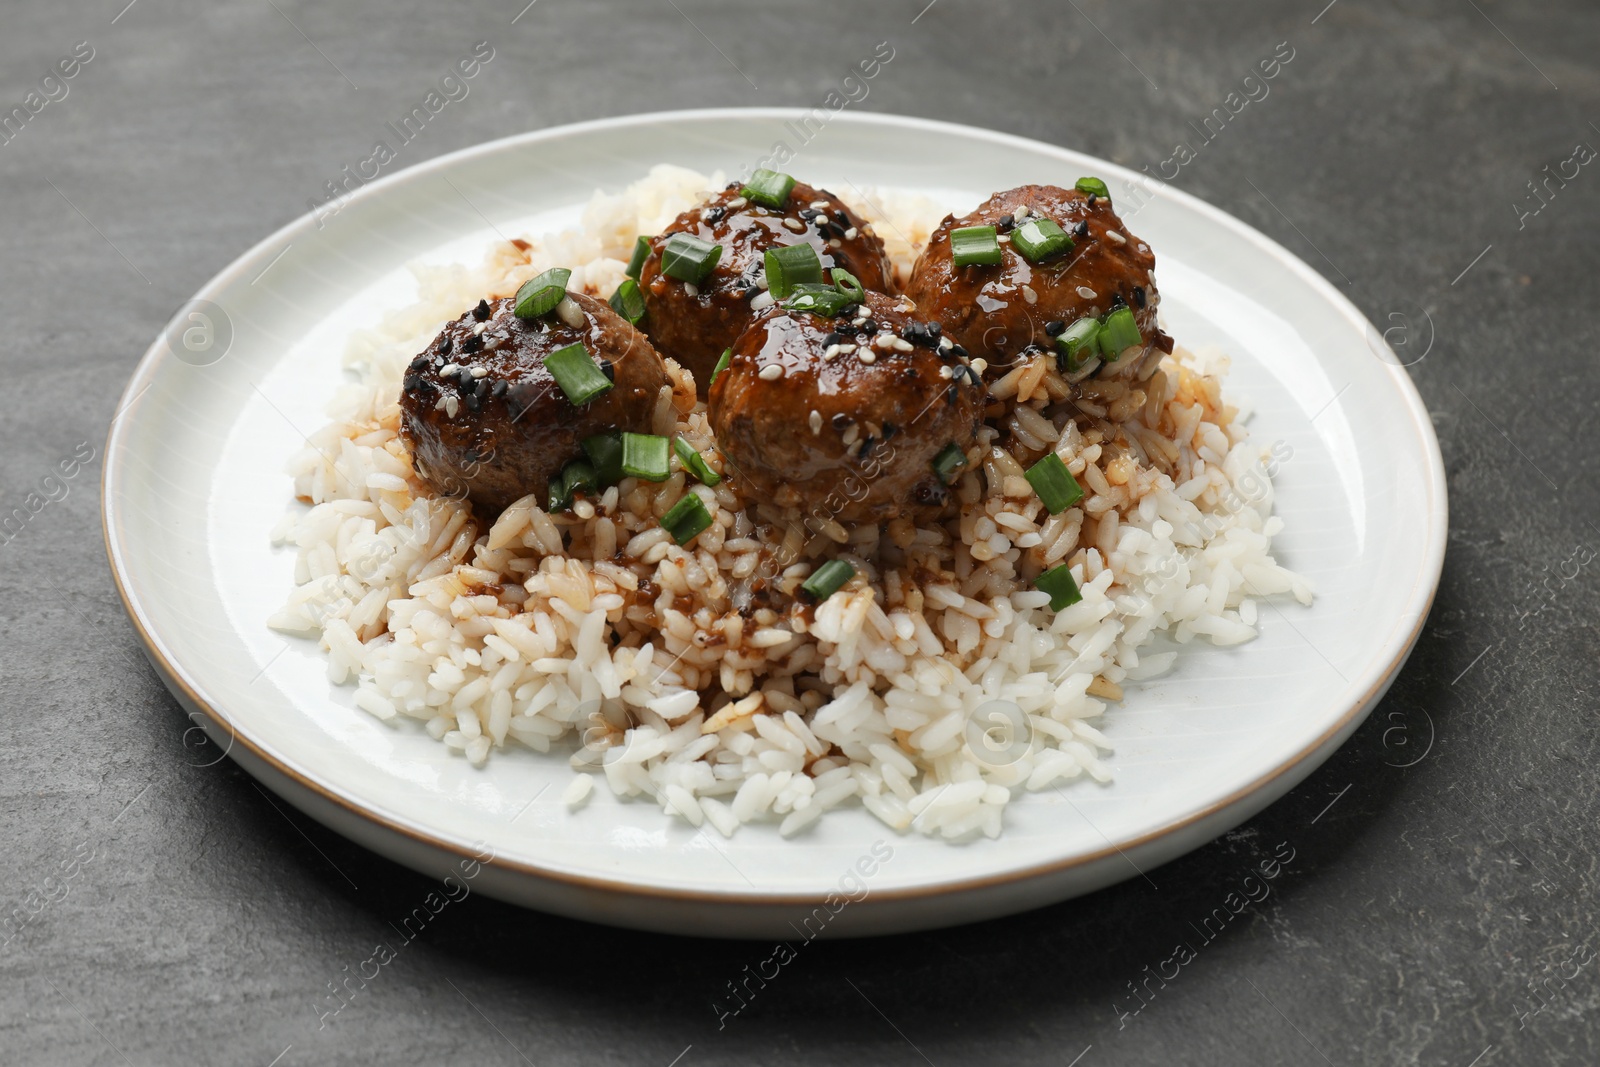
1440 908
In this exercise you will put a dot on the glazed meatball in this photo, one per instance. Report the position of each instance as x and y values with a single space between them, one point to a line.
844 416
997 312
695 323
485 419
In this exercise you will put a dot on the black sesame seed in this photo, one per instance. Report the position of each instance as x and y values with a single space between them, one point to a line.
842 219
809 213
472 344
1117 301
412 381
1081 230
481 389
481 312
444 347
716 215
870 326
889 430
832 339
866 446
841 420
419 363
1055 328
952 394
1093 199
934 330
958 352
498 389
1005 223
1138 295
608 370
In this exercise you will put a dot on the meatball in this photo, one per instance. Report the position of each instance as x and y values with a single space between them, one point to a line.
695 325
485 419
989 310
845 416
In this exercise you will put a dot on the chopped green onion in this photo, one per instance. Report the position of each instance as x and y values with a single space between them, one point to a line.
641 252
605 453
975 245
1094 187
768 188
823 299
579 474
539 296
1054 483
826 579
1040 239
628 301
694 462
722 365
790 266
849 285
1078 344
688 258
559 497
1118 333
576 373
644 455
686 519
1059 584
948 463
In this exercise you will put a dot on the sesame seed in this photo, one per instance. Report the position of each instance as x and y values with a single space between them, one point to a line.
451 406
851 234
1117 237
816 422
760 301
1005 223
1029 295
830 353
835 243
481 312
945 344
980 365
448 369
736 203
819 205
902 345
771 372
866 355
1086 292
851 435
841 420
480 372
945 372
846 348
794 225
1138 295
479 328
885 341
691 289
438 405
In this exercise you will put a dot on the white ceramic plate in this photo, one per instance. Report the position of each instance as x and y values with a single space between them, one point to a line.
194 480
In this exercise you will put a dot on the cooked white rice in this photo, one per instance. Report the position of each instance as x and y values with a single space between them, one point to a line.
592 633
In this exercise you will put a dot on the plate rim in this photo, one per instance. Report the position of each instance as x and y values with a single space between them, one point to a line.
1392 654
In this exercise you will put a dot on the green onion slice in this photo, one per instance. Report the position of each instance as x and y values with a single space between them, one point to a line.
559 497
1059 584
644 455
849 285
975 246
539 296
1054 483
628 301
826 579
722 365
641 252
789 266
1118 333
576 373
694 462
579 474
949 462
768 188
686 519
823 299
688 258
1040 239
1079 343
1094 187
605 453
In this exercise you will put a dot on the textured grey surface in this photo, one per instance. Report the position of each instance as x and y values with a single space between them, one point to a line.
157 912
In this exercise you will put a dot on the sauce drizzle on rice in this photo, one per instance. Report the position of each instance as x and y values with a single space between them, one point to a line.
934 688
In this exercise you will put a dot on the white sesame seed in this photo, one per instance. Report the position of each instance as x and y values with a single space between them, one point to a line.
1003 239
851 234
816 422
945 344
884 341
438 405
1086 292
1029 295
479 328
835 243
760 301
830 353
866 355
449 369
980 365
451 406
846 348
820 205
691 289
945 372
771 372
1117 237
902 345
851 435
794 225
736 203
480 372
570 313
